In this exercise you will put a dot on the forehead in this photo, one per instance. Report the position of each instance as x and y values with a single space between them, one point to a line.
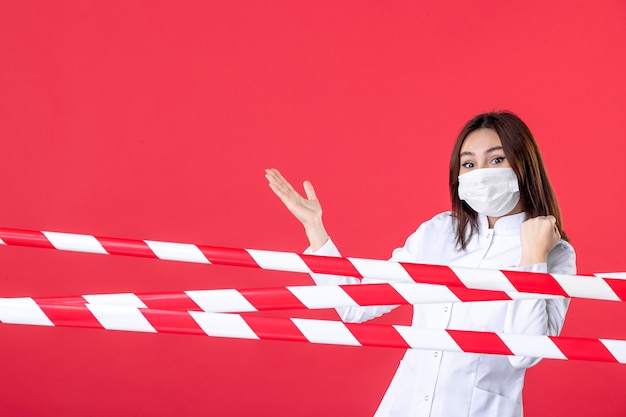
481 140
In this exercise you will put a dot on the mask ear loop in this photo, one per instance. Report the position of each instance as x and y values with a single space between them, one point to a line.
514 183
461 190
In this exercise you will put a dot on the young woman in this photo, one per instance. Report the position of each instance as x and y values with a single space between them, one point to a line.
504 216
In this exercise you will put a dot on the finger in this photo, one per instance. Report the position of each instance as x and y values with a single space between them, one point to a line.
273 175
275 184
269 174
309 190
278 191
281 180
286 198
280 184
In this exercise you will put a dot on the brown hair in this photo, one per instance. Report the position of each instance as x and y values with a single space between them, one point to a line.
521 150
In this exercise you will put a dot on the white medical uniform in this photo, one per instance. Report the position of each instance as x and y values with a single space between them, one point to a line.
451 384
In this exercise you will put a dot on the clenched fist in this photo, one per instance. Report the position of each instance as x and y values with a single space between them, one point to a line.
538 237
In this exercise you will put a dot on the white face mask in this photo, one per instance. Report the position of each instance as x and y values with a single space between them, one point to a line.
493 192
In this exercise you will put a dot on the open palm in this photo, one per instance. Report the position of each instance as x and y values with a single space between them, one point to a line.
308 210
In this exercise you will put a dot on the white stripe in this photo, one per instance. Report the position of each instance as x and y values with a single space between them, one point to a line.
532 345
223 325
492 279
75 242
617 348
122 299
381 270
2 242
171 251
279 261
120 318
425 293
586 287
221 301
530 296
325 296
323 331
614 275
22 311
431 339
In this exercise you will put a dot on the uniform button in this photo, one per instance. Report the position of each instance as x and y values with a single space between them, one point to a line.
425 397
436 354
488 235
445 309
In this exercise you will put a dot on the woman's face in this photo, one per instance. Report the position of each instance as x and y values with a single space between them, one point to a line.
482 149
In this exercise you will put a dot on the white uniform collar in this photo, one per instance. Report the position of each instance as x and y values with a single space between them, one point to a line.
509 224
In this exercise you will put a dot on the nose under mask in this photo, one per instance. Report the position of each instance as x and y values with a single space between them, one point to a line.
493 192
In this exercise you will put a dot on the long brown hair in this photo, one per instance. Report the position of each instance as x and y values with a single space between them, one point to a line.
521 150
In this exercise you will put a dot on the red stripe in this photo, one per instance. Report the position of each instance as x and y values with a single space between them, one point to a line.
228 256
69 315
169 301
619 286
116 246
68 301
274 328
172 322
25 238
585 349
466 294
479 342
272 299
374 294
377 335
538 283
432 274
330 265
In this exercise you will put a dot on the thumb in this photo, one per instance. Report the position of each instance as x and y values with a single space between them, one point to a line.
309 190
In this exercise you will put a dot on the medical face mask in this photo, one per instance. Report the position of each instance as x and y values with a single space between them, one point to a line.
493 192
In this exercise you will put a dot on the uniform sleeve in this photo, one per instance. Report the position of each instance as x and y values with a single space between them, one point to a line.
360 314
542 316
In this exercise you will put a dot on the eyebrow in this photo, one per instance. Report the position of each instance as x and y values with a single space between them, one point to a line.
468 153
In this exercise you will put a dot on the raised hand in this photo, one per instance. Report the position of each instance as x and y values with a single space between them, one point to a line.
538 237
308 210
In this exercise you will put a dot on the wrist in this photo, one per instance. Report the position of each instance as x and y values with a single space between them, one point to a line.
535 258
317 235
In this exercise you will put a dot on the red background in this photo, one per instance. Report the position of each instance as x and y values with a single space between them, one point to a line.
155 120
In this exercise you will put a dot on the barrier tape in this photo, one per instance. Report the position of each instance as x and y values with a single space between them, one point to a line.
572 286
25 311
285 298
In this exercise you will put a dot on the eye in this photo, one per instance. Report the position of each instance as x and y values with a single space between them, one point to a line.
498 160
467 164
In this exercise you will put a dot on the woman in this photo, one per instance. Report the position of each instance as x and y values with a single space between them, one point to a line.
504 216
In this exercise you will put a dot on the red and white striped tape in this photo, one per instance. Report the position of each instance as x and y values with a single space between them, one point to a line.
468 278
288 298
26 311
